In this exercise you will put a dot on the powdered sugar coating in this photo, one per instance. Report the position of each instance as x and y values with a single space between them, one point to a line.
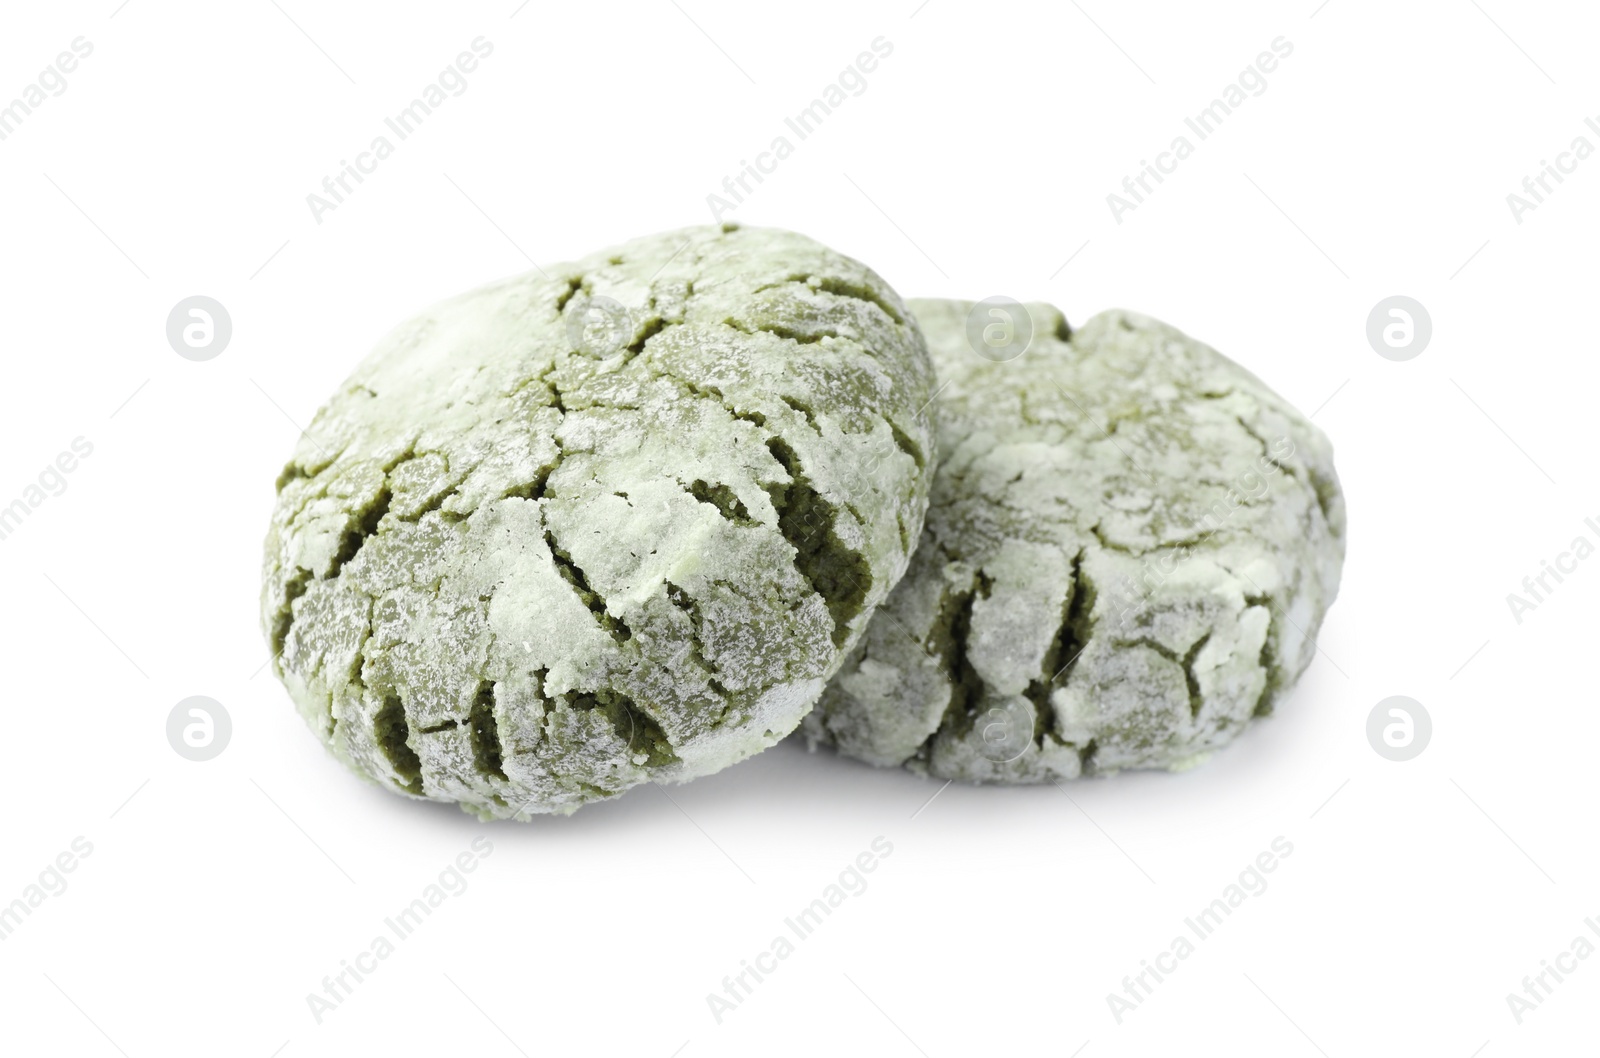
520 568
1131 546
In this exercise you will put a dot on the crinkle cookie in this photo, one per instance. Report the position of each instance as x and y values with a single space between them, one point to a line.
614 522
1130 548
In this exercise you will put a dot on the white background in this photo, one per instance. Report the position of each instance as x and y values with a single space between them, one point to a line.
977 161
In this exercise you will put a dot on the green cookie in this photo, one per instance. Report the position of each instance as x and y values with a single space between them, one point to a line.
614 523
1130 548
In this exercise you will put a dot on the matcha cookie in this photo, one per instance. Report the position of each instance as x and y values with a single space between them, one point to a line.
1130 548
620 522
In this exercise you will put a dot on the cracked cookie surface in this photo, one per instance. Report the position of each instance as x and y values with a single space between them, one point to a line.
616 523
1130 548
